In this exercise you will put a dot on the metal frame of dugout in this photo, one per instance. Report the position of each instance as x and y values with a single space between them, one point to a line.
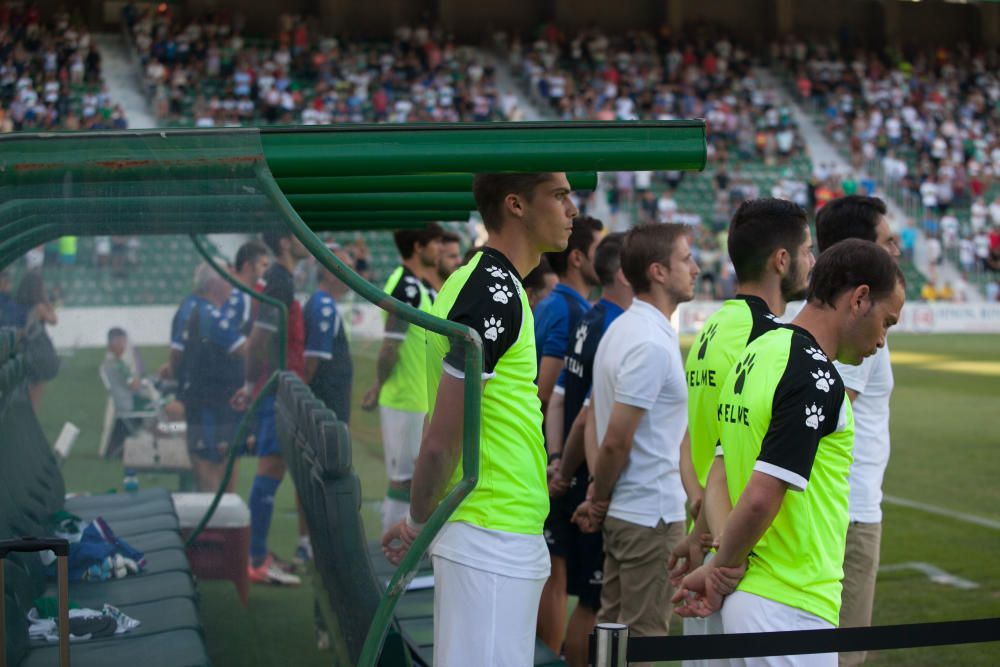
322 178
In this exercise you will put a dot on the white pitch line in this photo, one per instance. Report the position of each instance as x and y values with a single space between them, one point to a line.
932 572
941 511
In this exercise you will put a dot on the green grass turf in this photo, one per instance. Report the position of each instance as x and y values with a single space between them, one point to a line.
945 429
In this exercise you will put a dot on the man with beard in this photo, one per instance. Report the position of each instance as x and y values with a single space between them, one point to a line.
449 260
869 386
400 389
771 249
556 317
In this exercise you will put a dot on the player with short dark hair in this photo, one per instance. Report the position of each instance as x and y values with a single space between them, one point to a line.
556 317
786 433
490 559
869 387
540 282
569 474
449 260
771 249
279 283
400 389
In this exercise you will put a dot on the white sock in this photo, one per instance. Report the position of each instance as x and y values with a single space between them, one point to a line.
393 511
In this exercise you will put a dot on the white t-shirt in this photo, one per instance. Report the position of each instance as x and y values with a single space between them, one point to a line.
873 380
516 555
638 363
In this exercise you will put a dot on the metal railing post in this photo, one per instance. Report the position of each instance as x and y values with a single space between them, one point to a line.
611 645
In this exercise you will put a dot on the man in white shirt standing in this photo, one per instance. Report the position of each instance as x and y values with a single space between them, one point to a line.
869 387
640 415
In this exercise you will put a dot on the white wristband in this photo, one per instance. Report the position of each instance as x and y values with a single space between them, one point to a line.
413 525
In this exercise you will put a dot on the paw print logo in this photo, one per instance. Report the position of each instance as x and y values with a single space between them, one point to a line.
597 578
707 335
230 313
823 380
814 416
497 272
742 368
581 336
411 291
501 294
326 312
816 354
494 327
324 326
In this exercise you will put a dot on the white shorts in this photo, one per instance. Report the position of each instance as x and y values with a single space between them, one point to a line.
745 612
710 625
401 434
482 618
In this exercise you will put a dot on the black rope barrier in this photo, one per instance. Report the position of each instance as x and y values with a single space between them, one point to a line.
838 640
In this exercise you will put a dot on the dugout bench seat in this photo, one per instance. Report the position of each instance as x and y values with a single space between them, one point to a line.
162 597
350 573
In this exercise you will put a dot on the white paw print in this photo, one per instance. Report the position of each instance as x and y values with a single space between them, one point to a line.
326 312
816 354
411 291
500 293
494 328
814 416
497 272
823 380
324 326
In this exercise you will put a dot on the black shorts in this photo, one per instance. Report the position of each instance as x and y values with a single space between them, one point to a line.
584 551
210 429
557 526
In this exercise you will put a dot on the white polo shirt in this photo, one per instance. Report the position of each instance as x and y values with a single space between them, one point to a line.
639 363
873 381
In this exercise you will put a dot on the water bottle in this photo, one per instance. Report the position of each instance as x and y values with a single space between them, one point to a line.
131 480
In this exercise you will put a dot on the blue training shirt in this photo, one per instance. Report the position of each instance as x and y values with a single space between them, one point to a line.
577 376
212 371
179 325
238 309
326 340
555 316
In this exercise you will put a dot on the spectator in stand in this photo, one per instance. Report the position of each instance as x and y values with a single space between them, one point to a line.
420 75
40 65
928 114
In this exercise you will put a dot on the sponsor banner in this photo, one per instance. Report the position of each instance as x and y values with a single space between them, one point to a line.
917 317
150 325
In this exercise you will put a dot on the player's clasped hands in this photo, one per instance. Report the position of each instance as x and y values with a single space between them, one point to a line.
397 541
557 485
589 514
687 555
701 592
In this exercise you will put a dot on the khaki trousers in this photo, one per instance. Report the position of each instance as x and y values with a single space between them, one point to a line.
861 560
637 588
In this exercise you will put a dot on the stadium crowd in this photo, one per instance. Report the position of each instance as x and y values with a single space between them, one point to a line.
593 76
50 74
927 123
208 72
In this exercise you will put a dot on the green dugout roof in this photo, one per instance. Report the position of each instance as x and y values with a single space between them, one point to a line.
349 177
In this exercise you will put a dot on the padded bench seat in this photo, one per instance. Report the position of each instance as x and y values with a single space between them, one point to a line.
176 648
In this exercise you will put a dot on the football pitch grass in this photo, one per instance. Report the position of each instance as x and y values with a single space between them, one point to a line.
945 456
